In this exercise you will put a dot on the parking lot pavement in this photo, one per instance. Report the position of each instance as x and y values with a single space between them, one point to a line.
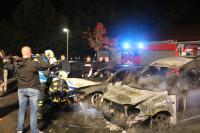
86 120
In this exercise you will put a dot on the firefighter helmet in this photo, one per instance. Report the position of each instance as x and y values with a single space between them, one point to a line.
63 75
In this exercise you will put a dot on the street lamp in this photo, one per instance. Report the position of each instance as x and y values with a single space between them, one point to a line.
67 31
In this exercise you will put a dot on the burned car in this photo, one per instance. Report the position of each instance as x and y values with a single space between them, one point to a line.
93 88
91 85
164 93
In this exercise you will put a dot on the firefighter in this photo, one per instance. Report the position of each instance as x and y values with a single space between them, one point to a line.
98 66
107 64
43 76
87 66
59 88
50 56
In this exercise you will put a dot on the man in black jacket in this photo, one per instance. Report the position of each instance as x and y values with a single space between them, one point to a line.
65 65
28 88
87 67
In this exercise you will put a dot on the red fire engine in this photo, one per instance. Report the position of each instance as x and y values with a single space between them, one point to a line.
191 48
146 53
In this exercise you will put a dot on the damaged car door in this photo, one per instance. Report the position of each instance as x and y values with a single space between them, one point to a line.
189 95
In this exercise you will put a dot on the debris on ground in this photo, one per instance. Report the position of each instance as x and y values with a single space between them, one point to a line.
113 127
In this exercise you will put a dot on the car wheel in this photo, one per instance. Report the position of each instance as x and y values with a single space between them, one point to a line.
96 99
160 122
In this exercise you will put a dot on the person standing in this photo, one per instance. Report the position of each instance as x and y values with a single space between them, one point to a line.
28 88
2 56
8 71
65 65
87 66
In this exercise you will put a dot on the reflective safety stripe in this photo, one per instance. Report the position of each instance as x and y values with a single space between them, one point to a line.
40 103
89 65
55 83
56 100
50 89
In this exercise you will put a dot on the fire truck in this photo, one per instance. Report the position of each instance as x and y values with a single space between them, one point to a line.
144 54
189 48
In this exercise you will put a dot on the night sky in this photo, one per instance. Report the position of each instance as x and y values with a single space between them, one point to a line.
123 18
7 7
185 11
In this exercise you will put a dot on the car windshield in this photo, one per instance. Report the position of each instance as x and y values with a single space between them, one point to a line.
101 75
124 76
154 78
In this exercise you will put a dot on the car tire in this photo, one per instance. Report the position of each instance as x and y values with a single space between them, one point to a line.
96 99
160 122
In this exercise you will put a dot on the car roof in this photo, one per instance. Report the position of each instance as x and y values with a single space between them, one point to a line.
173 62
129 67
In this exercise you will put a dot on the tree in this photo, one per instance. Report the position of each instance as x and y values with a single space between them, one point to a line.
98 38
99 41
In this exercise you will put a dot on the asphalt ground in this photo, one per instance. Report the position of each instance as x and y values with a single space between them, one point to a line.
76 120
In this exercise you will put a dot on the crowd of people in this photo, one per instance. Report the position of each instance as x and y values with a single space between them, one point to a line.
27 70
31 71
6 69
89 67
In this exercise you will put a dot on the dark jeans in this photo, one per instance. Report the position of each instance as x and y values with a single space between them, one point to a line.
25 95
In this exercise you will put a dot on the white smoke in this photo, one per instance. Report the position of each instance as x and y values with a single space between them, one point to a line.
154 83
87 110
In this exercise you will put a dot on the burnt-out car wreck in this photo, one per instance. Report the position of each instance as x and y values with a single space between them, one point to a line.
163 94
92 89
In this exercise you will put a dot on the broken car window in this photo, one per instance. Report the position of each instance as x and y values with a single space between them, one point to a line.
153 78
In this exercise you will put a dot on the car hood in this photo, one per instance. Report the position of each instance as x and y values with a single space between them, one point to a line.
79 82
128 95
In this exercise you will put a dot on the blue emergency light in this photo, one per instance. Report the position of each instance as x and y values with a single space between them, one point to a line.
141 45
126 45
